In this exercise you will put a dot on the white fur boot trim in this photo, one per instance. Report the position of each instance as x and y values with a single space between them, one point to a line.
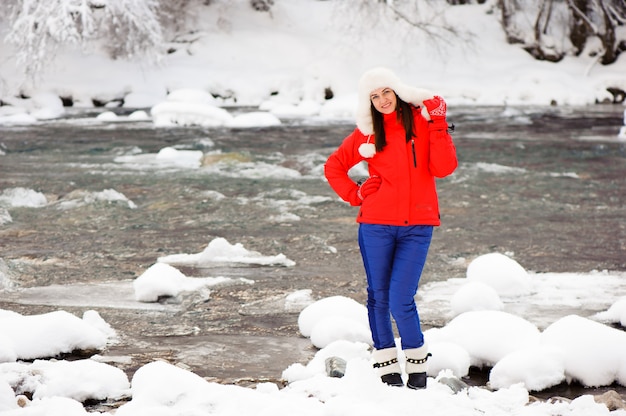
416 359
386 361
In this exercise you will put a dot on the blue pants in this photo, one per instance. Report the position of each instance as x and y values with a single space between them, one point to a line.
394 257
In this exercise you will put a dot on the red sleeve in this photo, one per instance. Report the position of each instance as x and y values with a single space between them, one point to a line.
339 163
443 160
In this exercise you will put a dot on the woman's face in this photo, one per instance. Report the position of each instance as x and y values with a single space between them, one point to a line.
384 100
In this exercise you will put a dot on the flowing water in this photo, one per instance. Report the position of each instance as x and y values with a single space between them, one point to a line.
547 186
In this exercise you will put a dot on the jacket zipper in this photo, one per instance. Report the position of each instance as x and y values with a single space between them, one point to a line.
413 150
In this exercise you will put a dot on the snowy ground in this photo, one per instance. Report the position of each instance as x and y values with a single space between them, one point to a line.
481 332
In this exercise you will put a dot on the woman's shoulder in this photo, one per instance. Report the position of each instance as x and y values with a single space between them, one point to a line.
361 143
358 136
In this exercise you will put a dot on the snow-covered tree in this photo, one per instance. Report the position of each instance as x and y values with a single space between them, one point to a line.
552 29
39 28
124 28
547 29
605 19
410 20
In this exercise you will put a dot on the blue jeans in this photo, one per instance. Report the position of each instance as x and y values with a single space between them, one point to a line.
394 257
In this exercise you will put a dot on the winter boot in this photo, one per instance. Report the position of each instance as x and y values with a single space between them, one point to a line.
386 364
416 366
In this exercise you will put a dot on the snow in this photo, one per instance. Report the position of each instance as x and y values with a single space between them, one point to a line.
323 321
80 198
475 296
163 280
79 380
190 106
490 269
168 113
220 250
61 331
615 314
475 330
523 358
167 157
283 69
608 364
41 106
22 197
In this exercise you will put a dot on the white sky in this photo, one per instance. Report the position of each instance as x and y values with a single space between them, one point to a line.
489 323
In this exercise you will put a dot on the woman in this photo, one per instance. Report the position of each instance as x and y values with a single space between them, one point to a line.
402 134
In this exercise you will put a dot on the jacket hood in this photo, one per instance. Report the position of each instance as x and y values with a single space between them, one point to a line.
380 78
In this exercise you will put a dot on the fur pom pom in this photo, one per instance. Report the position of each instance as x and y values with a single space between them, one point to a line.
367 150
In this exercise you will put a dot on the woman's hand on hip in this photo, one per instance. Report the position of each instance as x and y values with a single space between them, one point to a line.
368 186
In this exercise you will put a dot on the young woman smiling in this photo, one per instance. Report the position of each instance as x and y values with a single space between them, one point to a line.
403 136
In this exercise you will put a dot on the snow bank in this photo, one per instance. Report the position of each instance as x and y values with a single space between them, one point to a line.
593 353
335 318
189 107
487 336
79 198
165 158
47 335
162 280
80 380
536 367
615 314
42 105
475 296
221 251
502 273
22 197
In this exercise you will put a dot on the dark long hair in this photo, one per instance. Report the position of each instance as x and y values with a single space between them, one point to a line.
405 115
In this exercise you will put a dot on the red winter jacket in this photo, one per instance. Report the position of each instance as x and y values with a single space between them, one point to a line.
407 195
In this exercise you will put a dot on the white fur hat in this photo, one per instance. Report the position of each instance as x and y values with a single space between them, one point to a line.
381 78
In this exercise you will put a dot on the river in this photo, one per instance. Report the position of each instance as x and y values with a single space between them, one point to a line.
545 185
